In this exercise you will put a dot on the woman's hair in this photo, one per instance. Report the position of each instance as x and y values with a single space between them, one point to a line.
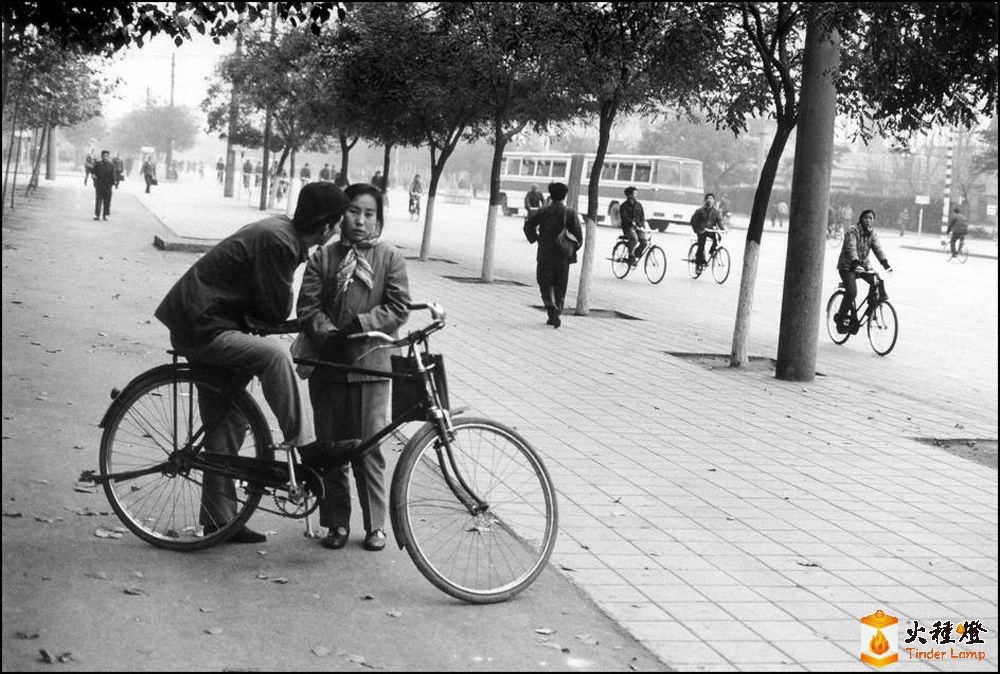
862 216
355 190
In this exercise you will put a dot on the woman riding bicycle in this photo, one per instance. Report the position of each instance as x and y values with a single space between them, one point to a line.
853 262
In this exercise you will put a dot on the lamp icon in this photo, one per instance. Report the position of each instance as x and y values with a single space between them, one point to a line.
881 645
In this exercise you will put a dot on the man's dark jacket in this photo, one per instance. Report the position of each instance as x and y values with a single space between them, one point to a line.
544 226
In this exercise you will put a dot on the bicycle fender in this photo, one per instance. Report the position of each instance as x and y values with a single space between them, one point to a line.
118 397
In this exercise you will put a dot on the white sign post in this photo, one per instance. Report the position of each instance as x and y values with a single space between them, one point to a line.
921 200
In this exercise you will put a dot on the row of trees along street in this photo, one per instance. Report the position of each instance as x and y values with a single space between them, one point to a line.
436 74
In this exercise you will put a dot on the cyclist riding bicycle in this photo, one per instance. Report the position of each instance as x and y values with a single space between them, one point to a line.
533 200
706 218
853 262
416 189
633 224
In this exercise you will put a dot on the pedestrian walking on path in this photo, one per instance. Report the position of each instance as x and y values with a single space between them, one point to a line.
357 285
104 182
544 227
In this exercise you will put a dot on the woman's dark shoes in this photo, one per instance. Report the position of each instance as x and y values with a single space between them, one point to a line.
336 538
375 540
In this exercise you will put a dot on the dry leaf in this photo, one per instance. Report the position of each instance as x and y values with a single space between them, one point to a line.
13 513
544 630
394 614
135 591
99 575
279 581
321 651
102 532
587 639
21 634
214 631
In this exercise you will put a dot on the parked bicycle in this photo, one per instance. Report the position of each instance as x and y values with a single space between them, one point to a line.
470 499
718 259
875 313
654 260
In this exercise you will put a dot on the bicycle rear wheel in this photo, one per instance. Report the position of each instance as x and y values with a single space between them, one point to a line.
720 265
147 444
479 558
832 307
883 328
655 265
619 260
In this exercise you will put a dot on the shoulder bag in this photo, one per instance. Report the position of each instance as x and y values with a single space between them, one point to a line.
566 241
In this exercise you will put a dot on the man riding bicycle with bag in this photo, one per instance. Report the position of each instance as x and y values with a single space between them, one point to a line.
853 262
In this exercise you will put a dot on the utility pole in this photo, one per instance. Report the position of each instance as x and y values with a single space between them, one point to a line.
267 132
801 305
227 190
949 156
170 139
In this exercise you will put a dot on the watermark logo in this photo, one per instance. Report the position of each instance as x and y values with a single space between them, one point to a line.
881 642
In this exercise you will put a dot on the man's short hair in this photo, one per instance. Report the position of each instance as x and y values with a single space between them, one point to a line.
629 191
709 194
319 203
558 191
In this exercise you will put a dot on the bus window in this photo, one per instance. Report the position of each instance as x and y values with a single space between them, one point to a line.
625 172
527 167
691 175
608 170
668 173
558 169
544 168
513 166
642 172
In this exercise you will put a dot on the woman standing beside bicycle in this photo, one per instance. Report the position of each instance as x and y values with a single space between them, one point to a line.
358 284
853 262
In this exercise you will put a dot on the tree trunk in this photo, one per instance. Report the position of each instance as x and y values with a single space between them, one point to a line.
37 164
802 301
489 244
751 253
436 169
50 154
608 111
345 153
10 150
385 167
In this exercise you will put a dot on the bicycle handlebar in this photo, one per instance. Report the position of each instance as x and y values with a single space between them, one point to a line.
295 325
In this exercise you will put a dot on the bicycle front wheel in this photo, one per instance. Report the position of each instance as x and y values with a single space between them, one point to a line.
655 265
832 307
619 260
883 328
693 267
485 557
720 265
146 458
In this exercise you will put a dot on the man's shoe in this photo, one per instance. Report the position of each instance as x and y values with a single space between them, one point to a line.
244 535
375 540
336 538
552 316
105 217
96 218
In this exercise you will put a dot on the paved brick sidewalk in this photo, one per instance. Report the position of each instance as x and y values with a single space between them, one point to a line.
750 537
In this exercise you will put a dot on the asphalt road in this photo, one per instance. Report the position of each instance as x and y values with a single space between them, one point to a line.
77 299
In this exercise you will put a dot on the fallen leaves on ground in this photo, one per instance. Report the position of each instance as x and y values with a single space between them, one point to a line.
49 658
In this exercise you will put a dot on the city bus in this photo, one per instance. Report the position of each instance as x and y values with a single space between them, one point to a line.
669 188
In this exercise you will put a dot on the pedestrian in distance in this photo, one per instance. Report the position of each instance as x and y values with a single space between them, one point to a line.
88 165
305 175
248 277
247 173
148 171
859 239
782 213
119 165
903 220
220 171
551 262
958 227
633 224
533 200
324 173
104 182
614 213
358 284
705 218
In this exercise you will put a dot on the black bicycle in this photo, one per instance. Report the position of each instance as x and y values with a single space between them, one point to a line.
654 260
414 206
470 500
875 313
718 259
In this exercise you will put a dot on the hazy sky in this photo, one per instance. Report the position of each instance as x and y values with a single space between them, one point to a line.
149 67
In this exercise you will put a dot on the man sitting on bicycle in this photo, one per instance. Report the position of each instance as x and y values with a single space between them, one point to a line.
248 276
416 189
853 262
533 200
633 224
958 227
706 218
